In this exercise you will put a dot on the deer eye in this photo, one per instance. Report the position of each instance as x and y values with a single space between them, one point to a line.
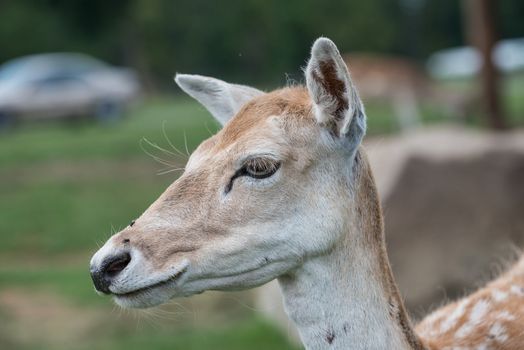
257 168
260 168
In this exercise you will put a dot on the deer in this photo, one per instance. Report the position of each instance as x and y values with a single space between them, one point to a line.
396 80
406 88
284 191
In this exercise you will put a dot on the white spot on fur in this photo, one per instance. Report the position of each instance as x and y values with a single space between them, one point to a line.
483 346
506 316
498 333
517 290
454 316
430 322
498 295
478 312
434 317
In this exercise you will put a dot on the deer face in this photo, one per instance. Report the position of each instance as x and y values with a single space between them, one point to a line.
255 200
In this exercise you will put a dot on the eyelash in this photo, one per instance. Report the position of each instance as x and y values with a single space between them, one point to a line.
260 168
267 168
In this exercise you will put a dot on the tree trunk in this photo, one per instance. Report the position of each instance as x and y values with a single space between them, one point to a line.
479 17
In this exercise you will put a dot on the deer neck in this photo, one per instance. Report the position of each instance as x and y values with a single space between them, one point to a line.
347 298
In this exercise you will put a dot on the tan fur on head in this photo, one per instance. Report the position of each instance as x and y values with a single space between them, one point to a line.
286 104
191 202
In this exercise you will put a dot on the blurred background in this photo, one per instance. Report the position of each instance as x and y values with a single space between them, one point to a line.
89 116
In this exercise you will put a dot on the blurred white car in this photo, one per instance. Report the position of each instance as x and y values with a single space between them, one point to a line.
466 61
58 85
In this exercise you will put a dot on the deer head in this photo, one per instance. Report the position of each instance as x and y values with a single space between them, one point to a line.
255 200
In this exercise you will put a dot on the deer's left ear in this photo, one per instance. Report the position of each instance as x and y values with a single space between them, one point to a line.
223 100
336 103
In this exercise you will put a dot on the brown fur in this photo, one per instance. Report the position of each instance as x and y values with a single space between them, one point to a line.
505 314
290 102
370 213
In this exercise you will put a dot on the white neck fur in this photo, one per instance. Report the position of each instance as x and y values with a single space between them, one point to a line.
346 298
340 311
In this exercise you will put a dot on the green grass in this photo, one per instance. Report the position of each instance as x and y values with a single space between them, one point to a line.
56 213
71 282
513 98
85 140
67 215
254 334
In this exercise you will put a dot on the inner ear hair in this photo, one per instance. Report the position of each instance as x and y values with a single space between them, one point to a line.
334 87
335 100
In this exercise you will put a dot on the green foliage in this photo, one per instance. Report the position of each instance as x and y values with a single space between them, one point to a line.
251 40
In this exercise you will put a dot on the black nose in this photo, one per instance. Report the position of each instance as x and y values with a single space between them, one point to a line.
108 270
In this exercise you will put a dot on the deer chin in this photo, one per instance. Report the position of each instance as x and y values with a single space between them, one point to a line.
141 289
185 283
237 280
151 295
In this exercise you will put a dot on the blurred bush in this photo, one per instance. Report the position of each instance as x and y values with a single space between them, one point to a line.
254 39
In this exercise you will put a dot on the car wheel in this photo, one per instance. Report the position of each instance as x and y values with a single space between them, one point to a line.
107 112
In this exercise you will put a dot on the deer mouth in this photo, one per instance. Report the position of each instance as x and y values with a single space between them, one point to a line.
167 282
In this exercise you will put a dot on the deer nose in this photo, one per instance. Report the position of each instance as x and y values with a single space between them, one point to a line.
110 268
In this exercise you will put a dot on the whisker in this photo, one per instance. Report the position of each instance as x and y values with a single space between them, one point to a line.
185 310
169 170
98 243
209 130
240 302
161 314
158 159
150 317
169 141
185 143
154 145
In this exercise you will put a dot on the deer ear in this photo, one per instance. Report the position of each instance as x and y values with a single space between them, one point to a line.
336 103
221 99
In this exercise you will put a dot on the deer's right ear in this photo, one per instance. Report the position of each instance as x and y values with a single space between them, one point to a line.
336 103
221 99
